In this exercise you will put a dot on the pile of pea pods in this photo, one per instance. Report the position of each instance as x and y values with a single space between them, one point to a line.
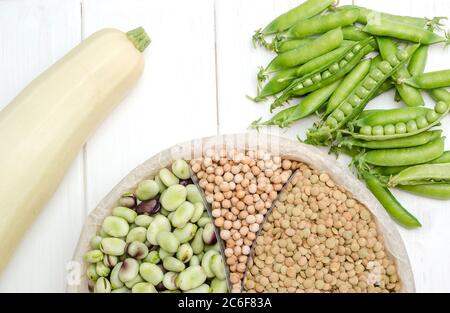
159 238
340 58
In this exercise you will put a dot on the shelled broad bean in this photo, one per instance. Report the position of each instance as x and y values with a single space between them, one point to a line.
159 239
378 141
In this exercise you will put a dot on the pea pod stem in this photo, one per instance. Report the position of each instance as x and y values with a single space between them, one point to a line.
440 94
388 201
430 80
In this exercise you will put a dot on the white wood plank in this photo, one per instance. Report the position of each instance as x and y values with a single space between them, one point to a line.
175 99
34 34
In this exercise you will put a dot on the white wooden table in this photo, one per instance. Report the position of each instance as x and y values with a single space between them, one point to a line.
199 68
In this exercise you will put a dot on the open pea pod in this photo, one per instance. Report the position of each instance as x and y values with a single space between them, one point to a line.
422 174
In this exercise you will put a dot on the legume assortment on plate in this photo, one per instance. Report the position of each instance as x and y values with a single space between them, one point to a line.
387 51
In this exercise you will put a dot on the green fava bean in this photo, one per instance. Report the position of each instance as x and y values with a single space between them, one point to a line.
181 169
406 156
194 261
206 263
182 214
137 234
151 273
167 241
102 269
94 243
218 286
163 253
203 221
143 288
422 174
193 194
113 246
217 266
172 264
185 233
173 197
115 226
209 235
147 189
143 220
110 260
184 253
114 277
199 208
197 243
130 284
128 214
435 191
200 289
169 280
152 257
127 200
161 185
167 177
121 290
129 270
137 250
160 223
392 206
91 272
102 285
190 278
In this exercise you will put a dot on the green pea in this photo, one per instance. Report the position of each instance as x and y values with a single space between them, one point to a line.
389 129
172 264
400 128
190 278
354 100
151 273
169 280
369 83
432 116
102 285
331 122
343 63
173 197
411 126
338 115
102 269
308 82
218 267
365 130
185 233
147 189
421 122
326 74
152 257
440 107
167 241
362 92
317 78
163 253
129 270
402 55
161 185
298 86
94 256
114 277
194 261
138 279
378 130
184 253
334 68
91 272
384 67
167 177
218 286
357 48
349 56
160 223
182 214
95 242
346 108
115 226
143 220
110 260
181 169
113 246
128 214
392 59
143 288
137 250
376 74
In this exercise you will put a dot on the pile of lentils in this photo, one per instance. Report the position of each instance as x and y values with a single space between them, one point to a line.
240 187
318 238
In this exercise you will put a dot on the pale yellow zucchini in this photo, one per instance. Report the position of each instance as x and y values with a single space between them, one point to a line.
45 126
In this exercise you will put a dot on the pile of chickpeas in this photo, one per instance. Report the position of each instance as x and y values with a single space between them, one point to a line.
318 238
240 187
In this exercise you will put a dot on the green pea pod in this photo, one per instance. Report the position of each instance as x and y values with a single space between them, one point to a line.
422 174
430 80
347 85
325 43
405 142
304 11
383 27
406 156
388 201
392 116
435 191
321 24
354 33
410 95
292 44
440 94
418 61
